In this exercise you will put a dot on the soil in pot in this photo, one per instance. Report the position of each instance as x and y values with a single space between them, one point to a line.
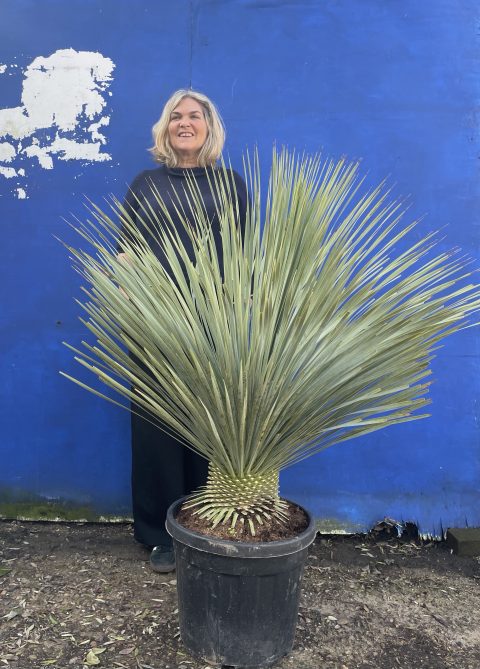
296 523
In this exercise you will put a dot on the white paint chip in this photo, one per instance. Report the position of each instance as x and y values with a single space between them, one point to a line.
3 68
63 107
68 149
8 172
42 154
7 152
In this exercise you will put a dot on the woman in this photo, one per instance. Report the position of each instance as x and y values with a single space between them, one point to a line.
188 140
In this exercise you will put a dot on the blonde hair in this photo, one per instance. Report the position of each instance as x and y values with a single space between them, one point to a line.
210 152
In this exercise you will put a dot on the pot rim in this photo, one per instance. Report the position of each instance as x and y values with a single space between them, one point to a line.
239 549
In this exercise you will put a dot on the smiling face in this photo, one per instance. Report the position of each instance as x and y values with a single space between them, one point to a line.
187 131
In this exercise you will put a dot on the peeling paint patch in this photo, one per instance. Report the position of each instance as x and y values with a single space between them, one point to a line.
41 154
64 93
7 152
7 172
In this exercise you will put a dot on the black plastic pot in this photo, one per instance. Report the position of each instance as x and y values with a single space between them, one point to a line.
237 601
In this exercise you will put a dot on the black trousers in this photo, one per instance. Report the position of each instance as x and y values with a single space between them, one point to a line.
163 470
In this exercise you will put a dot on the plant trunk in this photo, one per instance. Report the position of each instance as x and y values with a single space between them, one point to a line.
250 500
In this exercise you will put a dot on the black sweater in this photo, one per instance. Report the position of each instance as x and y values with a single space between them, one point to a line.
172 185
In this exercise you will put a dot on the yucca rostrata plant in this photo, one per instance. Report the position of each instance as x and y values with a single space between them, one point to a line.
314 332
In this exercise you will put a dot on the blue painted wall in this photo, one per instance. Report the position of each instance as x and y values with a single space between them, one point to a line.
393 83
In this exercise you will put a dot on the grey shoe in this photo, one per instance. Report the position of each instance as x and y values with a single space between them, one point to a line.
162 559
